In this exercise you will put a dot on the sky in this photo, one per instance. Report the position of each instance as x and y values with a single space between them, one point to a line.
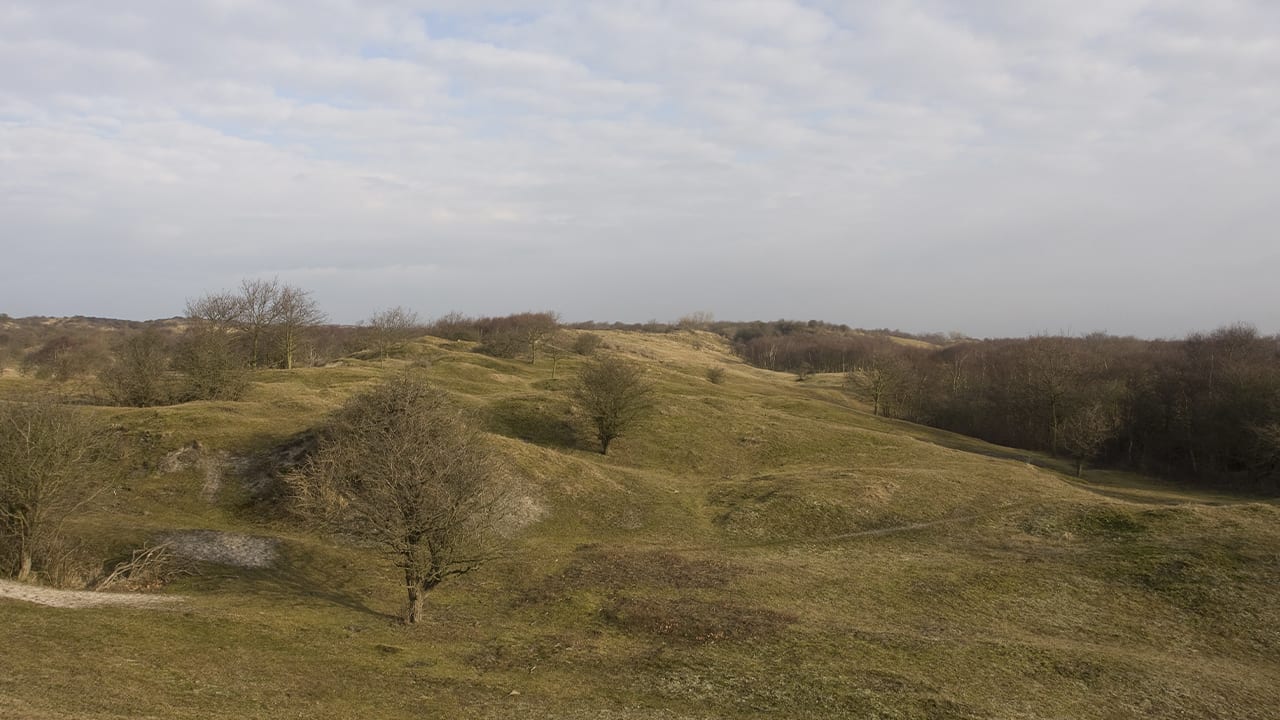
994 167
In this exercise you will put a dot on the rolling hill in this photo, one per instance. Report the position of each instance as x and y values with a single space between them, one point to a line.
758 548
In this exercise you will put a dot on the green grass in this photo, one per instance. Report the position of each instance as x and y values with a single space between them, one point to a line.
722 561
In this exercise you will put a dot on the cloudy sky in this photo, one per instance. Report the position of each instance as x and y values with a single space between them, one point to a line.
995 166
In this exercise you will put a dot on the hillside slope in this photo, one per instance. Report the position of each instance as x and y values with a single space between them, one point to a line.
760 548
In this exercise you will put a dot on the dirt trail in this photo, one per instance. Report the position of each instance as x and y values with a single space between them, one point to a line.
82 598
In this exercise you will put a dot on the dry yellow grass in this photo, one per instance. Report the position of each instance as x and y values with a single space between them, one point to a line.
761 547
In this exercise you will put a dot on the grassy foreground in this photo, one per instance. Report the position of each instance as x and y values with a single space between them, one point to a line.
760 548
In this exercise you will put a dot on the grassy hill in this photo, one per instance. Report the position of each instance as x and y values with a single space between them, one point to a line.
760 548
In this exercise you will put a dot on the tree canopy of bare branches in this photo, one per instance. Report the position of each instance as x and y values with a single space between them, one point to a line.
614 395
293 312
266 315
1085 432
400 466
258 310
391 327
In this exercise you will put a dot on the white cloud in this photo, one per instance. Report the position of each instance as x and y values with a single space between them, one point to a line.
997 167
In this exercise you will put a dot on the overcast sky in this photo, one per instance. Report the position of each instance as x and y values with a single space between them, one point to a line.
996 167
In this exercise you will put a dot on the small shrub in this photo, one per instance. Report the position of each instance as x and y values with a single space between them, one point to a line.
149 567
210 367
138 377
715 375
53 461
587 343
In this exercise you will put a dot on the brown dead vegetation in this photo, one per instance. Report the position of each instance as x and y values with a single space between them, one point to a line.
695 621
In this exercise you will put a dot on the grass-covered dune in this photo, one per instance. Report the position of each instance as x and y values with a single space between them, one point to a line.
758 548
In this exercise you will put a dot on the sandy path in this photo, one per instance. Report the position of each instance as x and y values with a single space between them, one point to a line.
82 598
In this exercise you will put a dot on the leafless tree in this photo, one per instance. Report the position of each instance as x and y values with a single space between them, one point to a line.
1050 370
614 395
222 311
879 380
293 311
52 463
555 349
389 328
399 465
510 335
537 328
259 308
206 355
1085 432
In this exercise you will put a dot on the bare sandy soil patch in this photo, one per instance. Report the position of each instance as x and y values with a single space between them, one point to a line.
53 597
223 548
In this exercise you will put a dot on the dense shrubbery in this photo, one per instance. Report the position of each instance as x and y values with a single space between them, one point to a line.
53 460
138 376
1207 407
507 336
65 356
1199 407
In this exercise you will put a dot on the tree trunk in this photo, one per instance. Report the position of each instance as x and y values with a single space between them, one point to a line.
414 612
418 590
414 583
1053 431
24 566
1079 466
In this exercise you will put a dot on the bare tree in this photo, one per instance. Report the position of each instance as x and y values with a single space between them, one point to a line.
537 328
1051 370
614 395
555 349
880 379
510 335
259 305
206 355
221 311
400 466
1086 431
1266 450
292 313
389 328
52 463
